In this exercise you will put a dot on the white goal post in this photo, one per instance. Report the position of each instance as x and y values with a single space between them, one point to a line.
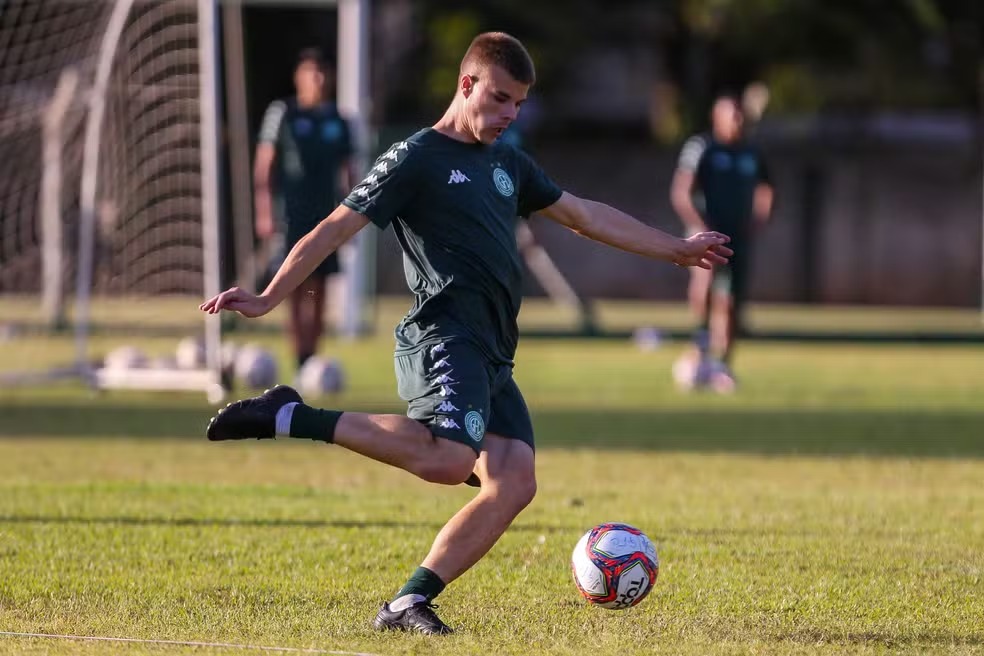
118 195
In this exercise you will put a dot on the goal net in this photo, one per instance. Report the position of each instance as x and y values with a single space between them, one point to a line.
108 192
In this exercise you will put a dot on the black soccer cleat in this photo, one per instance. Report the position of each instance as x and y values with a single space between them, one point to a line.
255 417
419 617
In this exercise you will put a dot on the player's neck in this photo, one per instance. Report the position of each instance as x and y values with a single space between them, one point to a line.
726 138
452 125
309 102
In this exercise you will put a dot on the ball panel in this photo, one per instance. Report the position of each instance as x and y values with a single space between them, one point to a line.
617 542
588 578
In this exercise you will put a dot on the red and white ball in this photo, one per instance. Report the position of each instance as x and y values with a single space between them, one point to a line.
614 566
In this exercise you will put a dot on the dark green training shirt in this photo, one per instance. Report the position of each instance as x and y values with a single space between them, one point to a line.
311 146
453 206
726 177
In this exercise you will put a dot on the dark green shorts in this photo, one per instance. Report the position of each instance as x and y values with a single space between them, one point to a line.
452 389
731 280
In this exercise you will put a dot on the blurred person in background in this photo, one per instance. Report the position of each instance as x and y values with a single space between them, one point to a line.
302 170
538 261
721 183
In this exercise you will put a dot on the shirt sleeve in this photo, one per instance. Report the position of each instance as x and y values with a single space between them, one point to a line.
387 189
691 154
272 118
536 189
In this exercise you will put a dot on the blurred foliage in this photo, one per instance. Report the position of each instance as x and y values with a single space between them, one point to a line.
850 53
834 55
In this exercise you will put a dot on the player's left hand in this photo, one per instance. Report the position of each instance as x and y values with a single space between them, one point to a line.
704 250
237 300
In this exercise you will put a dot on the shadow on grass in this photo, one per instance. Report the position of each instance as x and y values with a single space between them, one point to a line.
707 534
232 522
776 432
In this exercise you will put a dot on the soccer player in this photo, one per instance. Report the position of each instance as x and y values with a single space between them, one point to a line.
721 183
451 193
303 159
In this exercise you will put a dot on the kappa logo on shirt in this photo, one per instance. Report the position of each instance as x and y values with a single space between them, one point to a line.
458 177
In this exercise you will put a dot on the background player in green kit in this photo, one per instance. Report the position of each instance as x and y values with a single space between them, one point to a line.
721 183
451 194
303 160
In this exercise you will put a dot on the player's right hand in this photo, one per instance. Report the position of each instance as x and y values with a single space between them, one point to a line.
237 300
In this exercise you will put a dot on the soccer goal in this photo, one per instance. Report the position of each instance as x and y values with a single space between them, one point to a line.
110 117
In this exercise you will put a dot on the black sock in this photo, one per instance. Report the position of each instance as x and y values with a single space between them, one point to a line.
313 423
422 582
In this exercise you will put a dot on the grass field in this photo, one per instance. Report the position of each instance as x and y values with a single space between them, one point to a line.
834 506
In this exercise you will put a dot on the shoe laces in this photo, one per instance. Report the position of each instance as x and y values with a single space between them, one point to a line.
426 608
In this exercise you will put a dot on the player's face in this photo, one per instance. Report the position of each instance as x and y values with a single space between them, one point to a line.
492 102
309 80
727 119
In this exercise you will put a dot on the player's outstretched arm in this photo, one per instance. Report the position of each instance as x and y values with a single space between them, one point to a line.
300 263
610 226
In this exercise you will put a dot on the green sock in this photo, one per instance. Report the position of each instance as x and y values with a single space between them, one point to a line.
422 582
314 424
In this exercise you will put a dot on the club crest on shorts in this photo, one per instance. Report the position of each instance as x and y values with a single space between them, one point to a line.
503 182
475 425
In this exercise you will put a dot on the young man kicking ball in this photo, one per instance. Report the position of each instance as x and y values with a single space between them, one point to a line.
451 193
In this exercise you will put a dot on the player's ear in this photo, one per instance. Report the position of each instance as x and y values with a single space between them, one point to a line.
467 84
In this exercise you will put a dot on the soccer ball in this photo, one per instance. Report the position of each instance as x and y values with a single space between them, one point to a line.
190 353
321 376
614 566
255 368
123 358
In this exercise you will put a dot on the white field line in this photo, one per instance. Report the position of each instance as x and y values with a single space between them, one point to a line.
184 643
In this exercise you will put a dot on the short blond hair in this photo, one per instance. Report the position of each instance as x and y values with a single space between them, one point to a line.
502 50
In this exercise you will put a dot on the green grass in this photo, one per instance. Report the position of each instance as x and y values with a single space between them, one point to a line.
833 506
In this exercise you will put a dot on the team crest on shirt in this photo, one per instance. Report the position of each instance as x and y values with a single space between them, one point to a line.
331 131
503 182
747 165
303 126
475 425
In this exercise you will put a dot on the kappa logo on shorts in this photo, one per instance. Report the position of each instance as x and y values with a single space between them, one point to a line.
443 362
445 378
448 422
447 391
439 348
447 406
475 425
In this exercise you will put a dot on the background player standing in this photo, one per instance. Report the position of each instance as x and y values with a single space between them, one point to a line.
721 183
303 161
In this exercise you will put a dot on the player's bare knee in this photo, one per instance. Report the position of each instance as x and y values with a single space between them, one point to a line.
447 463
516 490
523 491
